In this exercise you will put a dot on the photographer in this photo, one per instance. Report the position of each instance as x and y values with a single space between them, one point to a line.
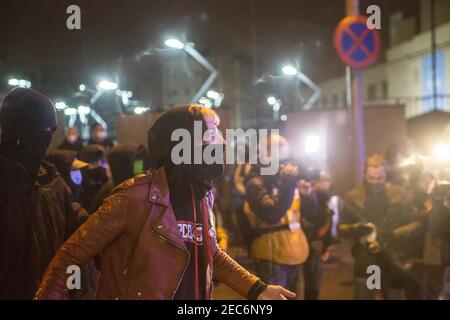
316 221
377 217
439 224
272 207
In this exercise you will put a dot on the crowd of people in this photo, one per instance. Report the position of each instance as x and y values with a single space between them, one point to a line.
141 227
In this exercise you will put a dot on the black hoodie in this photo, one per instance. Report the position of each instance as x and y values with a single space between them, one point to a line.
36 217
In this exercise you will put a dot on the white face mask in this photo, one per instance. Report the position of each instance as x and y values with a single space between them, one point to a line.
71 138
76 177
100 135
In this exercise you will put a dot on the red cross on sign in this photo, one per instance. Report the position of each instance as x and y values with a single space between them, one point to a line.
356 44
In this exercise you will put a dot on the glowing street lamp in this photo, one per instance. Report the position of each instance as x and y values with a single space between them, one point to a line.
174 43
190 50
70 111
82 87
276 105
19 83
271 100
140 110
60 105
289 70
107 85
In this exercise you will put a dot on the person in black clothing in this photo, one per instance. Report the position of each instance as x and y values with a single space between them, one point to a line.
36 215
95 175
189 186
377 215
121 164
70 169
72 141
316 222
98 136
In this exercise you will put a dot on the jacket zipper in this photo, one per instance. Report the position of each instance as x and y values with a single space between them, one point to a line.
185 263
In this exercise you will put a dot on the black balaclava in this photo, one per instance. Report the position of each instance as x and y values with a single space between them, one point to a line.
200 176
28 120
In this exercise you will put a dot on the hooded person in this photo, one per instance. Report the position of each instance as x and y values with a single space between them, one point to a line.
72 141
35 203
155 233
95 175
121 165
69 168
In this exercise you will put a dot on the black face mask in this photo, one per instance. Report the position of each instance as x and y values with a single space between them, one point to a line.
207 172
31 149
28 120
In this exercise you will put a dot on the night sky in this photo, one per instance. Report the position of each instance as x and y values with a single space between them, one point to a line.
36 43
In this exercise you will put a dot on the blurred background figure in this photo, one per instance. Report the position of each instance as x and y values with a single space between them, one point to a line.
99 136
378 217
72 141
95 174
272 207
439 224
70 169
121 165
317 223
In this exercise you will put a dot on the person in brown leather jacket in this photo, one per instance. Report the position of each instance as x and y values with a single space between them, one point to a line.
155 233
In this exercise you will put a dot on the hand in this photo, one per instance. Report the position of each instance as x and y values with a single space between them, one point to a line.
325 256
276 293
365 229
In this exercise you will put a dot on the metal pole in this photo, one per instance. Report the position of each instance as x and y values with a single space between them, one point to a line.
189 48
357 110
433 51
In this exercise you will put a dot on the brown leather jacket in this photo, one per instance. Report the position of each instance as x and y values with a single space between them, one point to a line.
142 253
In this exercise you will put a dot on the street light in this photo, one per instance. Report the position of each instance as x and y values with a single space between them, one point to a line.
271 100
83 110
140 110
174 43
190 50
60 105
82 87
107 85
70 112
19 83
207 103
289 70
276 105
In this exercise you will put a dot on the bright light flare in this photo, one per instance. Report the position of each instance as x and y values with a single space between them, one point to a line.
60 105
107 85
140 110
442 151
289 70
174 43
83 110
271 100
312 144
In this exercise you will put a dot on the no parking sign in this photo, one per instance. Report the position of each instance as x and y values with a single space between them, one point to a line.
356 44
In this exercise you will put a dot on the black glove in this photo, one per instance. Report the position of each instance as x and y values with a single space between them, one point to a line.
362 229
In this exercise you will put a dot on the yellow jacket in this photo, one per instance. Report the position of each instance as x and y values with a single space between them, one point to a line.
288 246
